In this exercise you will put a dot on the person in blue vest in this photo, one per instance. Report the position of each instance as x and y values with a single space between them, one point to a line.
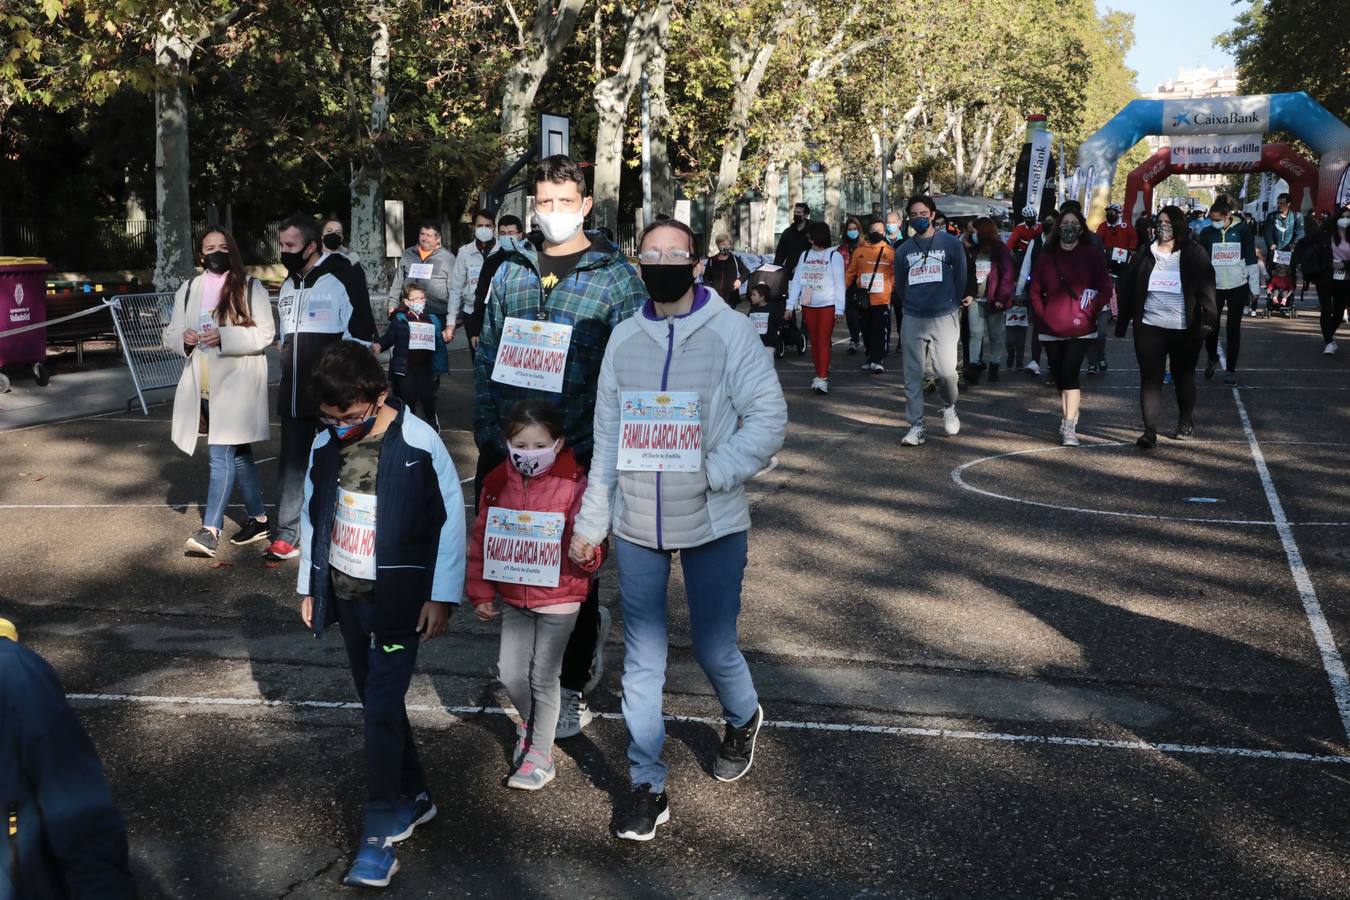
63 835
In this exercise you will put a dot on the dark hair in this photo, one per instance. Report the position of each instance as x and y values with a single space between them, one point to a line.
1053 242
1221 204
1285 197
429 225
986 232
347 373
533 412
819 233
669 223
559 169
483 214
921 198
802 204
233 307
1071 205
410 286
511 220
1332 228
1181 232
310 230
761 288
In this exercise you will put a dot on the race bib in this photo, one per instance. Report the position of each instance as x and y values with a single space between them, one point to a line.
1165 281
761 322
1119 254
1226 254
522 547
925 272
1085 301
1338 271
660 431
421 336
353 547
873 282
419 271
982 268
1283 257
286 306
1016 316
532 355
813 280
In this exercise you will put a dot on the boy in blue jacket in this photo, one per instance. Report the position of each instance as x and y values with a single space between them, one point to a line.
382 548
61 835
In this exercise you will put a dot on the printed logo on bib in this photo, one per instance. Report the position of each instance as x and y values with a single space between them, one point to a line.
660 431
982 269
927 272
532 355
872 282
522 547
1227 253
760 321
1119 254
353 547
1165 281
420 271
421 336
1016 316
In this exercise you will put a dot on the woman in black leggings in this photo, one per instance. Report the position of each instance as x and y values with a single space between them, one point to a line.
1167 291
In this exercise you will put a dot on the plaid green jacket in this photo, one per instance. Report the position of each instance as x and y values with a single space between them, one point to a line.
600 292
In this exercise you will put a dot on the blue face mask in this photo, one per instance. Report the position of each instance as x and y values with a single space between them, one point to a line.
921 225
853 234
892 228
354 432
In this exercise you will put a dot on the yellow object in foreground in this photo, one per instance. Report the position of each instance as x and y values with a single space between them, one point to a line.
7 630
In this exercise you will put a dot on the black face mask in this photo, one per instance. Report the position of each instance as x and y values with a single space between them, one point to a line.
217 262
293 260
666 284
875 237
332 240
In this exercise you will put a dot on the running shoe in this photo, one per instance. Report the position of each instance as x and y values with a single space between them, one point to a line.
950 423
1211 367
574 715
252 531
646 810
375 865
533 773
737 753
1329 349
914 437
853 348
1068 432
1148 440
204 541
823 387
1185 431
522 746
1230 378
1033 367
280 549
1101 367
412 813
878 368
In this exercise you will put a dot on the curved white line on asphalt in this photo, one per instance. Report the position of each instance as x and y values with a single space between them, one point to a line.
458 712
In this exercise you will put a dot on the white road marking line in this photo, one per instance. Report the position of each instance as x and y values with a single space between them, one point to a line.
458 712
1312 607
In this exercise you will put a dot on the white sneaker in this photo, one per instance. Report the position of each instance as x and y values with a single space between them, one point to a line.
914 437
824 386
815 384
1033 367
1329 349
1068 432
950 423
574 715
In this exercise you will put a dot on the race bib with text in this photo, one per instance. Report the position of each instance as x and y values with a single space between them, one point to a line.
532 355
421 336
352 551
660 431
523 547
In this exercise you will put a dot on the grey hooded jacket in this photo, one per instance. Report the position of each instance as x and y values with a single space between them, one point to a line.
712 351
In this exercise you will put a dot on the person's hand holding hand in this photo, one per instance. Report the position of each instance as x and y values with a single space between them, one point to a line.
448 334
582 551
485 612
966 301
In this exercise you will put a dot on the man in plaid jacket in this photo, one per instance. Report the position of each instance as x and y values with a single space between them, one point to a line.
566 276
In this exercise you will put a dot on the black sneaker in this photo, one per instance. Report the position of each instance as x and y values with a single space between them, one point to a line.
1185 431
852 348
203 542
645 811
1230 378
1148 440
253 530
1210 368
738 749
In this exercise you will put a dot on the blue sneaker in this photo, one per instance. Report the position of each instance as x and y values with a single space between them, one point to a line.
418 811
375 864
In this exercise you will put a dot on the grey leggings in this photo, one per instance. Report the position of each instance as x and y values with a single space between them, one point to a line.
530 663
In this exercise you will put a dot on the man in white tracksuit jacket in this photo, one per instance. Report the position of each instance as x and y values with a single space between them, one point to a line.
688 409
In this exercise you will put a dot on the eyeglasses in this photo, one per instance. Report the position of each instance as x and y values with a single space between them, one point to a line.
669 257
348 420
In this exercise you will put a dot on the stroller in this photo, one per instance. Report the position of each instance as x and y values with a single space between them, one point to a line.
790 333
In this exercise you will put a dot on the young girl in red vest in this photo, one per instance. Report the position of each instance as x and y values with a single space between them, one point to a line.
519 551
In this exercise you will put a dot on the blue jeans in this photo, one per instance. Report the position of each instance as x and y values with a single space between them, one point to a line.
712 577
228 463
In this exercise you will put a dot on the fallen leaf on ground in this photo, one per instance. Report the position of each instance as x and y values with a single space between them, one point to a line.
220 564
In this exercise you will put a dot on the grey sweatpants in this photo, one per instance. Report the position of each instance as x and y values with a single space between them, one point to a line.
940 339
529 666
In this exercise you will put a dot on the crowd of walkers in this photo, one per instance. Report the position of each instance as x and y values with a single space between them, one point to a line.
620 411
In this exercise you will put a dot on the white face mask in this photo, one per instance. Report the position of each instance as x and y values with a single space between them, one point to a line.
559 227
1343 223
416 308
483 234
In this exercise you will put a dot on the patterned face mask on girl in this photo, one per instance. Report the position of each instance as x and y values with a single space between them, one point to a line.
535 462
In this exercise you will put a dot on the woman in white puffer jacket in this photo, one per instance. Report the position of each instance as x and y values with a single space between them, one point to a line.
688 409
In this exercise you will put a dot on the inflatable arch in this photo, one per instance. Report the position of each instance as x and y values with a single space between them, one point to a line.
1296 113
1281 159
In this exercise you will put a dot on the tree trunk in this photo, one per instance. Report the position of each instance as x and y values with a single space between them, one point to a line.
663 180
367 187
174 259
537 52
768 226
834 179
796 193
612 96
729 170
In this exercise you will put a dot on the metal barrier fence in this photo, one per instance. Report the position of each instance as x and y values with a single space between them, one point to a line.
140 320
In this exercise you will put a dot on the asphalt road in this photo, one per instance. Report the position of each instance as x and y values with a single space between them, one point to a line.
992 666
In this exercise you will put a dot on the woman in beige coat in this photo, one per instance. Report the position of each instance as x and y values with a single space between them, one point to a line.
222 322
